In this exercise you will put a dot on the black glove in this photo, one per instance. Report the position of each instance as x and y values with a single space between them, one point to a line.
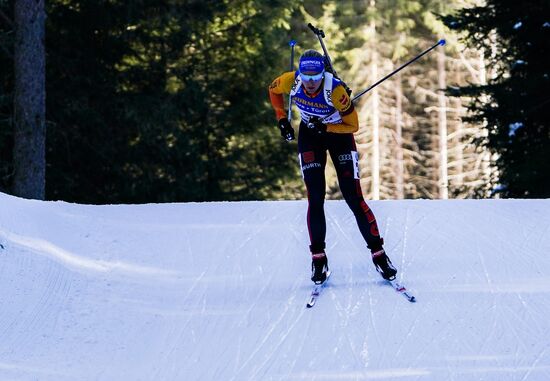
316 125
287 132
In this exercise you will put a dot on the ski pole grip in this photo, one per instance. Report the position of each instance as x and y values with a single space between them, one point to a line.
291 43
318 32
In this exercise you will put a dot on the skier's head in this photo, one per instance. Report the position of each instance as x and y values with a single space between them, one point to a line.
312 69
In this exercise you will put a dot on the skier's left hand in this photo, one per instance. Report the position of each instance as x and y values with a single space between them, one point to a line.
287 132
315 124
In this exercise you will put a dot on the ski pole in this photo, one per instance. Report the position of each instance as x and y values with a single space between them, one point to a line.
320 35
440 42
291 43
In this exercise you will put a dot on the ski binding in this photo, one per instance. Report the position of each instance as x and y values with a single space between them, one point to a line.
316 292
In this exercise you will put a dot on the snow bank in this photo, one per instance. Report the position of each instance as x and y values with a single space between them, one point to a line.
217 291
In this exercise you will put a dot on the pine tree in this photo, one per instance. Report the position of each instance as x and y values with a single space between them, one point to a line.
162 101
515 38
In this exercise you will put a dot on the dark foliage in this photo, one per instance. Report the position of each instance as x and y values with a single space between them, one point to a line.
160 100
515 104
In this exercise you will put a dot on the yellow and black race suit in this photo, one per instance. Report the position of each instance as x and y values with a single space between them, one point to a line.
332 103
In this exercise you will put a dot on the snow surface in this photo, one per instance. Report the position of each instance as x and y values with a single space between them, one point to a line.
217 291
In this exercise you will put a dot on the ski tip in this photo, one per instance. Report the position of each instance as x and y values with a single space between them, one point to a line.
311 303
412 299
442 42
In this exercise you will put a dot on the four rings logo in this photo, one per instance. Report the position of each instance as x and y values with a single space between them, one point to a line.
345 157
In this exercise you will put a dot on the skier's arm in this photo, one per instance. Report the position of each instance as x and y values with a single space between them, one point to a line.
350 119
281 85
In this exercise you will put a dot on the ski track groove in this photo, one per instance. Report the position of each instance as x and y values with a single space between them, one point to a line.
449 370
173 332
231 252
29 314
42 310
515 326
391 324
344 322
394 308
407 335
253 305
404 251
344 311
302 344
534 363
503 341
235 251
183 329
424 348
258 296
405 238
515 329
401 274
528 310
372 318
350 308
351 261
266 338
284 336
157 371
5 323
544 236
493 307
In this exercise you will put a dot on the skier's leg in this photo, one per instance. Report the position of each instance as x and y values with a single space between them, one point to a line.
313 157
346 161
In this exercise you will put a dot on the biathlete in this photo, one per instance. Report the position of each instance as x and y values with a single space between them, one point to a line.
328 121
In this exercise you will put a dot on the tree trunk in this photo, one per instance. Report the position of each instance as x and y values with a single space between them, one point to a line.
459 146
442 110
400 166
375 118
30 100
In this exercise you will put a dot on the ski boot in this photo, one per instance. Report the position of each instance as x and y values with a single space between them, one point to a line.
319 268
383 265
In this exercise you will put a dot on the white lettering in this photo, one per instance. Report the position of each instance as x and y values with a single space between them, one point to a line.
311 165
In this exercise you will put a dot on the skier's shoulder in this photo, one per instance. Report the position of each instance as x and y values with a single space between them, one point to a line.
335 80
283 83
340 97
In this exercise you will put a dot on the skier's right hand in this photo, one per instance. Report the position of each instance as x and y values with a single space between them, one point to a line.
287 132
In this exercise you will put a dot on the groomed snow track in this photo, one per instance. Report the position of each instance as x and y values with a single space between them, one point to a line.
217 291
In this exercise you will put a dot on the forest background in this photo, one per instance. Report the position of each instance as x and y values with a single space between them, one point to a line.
166 100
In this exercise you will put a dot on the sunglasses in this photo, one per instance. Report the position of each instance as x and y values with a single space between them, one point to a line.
314 77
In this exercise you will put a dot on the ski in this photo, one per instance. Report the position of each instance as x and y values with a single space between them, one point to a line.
316 292
402 290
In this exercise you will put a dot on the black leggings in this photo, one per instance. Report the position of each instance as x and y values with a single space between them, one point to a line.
313 148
